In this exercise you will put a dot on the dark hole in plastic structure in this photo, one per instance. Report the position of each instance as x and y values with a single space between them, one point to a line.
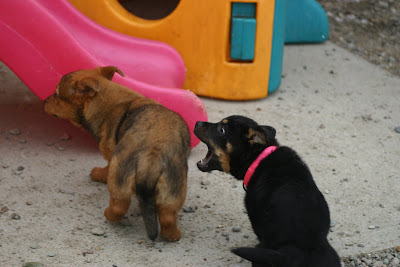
150 9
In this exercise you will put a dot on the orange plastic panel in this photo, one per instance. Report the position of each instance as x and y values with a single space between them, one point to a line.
200 30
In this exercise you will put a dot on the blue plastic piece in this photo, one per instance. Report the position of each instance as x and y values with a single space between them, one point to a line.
244 10
306 22
275 70
243 31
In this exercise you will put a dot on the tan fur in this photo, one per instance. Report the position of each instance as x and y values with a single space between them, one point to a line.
89 99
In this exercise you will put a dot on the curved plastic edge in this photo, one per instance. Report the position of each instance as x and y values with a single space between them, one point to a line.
42 51
306 22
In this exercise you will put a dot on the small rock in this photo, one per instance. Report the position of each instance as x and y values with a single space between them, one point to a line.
158 245
140 241
225 234
239 259
207 206
371 227
378 264
20 168
15 216
34 246
98 231
33 264
14 131
397 129
51 255
28 203
386 261
4 209
189 209
204 182
333 224
236 229
396 261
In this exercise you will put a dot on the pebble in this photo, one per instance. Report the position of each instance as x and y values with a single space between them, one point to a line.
4 209
204 182
51 255
189 209
158 245
333 224
98 231
236 229
33 264
14 131
371 227
34 246
397 129
20 168
15 216
225 234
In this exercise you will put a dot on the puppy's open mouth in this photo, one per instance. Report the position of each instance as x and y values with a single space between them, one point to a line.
210 162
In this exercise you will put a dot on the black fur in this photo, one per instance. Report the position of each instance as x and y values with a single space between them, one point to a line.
288 213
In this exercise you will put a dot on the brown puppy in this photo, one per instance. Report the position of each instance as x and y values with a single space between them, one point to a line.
146 145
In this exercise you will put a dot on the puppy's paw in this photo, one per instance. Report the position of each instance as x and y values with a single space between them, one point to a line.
111 216
171 235
99 174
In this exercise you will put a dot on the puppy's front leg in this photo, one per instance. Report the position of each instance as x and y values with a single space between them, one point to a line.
99 174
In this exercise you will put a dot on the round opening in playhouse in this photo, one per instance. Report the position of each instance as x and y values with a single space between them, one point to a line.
150 9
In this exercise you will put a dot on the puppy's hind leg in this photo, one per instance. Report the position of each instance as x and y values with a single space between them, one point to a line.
120 191
99 174
168 206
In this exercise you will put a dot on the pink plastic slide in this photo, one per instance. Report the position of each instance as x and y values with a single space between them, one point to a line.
41 40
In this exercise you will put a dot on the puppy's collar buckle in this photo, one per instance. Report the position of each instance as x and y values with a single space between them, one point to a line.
254 165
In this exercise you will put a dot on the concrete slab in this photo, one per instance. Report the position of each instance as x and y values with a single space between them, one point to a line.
337 110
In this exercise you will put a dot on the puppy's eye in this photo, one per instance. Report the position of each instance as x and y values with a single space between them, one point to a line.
222 130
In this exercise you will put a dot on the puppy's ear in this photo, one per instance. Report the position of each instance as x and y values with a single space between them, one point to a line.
86 88
257 137
269 131
109 71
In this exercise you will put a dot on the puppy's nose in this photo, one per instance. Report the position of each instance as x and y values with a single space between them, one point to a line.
199 124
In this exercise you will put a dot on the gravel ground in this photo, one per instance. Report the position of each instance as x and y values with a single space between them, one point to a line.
369 28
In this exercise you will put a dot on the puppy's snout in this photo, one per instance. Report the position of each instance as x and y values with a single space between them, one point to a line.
200 124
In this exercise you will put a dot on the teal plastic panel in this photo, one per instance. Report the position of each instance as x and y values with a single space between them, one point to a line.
243 31
306 22
275 71
243 37
244 10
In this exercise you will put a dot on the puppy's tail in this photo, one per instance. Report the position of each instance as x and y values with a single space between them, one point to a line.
146 180
260 255
146 197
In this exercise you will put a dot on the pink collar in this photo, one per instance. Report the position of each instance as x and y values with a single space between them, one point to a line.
254 165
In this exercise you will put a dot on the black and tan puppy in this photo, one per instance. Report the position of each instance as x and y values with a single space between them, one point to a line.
287 211
146 145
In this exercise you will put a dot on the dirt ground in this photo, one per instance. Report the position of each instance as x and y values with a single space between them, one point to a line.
368 28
